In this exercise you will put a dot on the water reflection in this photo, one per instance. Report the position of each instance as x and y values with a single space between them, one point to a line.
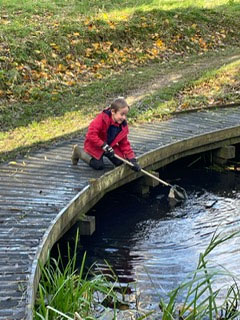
148 241
158 245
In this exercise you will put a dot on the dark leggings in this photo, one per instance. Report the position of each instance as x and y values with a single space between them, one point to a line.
99 164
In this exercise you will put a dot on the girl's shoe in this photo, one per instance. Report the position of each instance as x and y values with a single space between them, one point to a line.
79 153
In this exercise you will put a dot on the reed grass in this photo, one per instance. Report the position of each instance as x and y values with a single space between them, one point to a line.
71 293
202 298
70 290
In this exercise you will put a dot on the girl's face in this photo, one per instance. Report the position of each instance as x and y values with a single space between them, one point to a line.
120 115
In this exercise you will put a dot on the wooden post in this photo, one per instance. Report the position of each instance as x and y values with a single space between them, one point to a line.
148 181
223 154
87 226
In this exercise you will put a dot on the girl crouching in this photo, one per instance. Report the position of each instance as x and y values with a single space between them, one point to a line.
107 135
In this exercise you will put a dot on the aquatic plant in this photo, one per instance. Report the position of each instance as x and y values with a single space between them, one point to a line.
70 293
201 297
70 290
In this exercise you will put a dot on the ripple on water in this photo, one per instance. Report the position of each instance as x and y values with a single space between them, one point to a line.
148 241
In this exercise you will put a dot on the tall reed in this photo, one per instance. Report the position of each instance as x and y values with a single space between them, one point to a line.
68 293
202 300
70 290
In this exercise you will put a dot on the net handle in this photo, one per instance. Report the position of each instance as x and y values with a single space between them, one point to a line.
144 171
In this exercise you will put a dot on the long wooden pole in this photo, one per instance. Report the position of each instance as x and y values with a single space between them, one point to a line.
143 171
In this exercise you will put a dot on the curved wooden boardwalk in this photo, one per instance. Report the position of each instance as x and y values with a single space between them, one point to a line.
41 195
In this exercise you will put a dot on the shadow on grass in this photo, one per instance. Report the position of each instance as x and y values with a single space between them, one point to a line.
24 151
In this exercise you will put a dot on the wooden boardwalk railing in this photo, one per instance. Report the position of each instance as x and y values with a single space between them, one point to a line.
42 195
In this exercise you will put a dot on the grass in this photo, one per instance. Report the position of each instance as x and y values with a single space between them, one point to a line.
157 105
67 292
63 61
220 86
96 7
72 292
211 88
202 299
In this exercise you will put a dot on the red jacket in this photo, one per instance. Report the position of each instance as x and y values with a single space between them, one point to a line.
97 135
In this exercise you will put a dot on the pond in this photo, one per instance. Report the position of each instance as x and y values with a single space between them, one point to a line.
148 241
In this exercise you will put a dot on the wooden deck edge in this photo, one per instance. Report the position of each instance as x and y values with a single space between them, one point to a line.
207 108
69 215
49 238
93 192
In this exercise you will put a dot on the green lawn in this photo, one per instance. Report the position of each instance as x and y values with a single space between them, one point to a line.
63 61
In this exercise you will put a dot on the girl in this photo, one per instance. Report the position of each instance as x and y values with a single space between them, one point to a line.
106 135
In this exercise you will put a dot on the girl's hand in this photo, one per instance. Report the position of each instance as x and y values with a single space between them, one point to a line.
136 167
108 151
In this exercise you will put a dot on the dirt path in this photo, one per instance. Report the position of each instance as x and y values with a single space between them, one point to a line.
183 70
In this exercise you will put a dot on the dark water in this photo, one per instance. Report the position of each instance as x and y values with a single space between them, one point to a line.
144 239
